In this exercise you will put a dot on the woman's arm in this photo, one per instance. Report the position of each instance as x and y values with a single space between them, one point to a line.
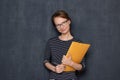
76 66
50 66
58 69
68 61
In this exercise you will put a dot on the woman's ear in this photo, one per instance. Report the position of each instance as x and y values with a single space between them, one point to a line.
69 21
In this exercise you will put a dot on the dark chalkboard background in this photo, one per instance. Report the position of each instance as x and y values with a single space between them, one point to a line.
25 27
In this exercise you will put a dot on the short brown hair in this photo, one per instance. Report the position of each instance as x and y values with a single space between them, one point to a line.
60 13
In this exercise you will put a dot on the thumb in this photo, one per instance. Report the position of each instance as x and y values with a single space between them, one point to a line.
69 56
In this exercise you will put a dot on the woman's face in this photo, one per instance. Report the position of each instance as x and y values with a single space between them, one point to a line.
62 25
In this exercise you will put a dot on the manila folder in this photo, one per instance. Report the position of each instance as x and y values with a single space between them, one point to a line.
77 51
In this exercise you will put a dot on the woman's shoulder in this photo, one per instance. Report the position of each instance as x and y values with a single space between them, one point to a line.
80 40
53 39
77 39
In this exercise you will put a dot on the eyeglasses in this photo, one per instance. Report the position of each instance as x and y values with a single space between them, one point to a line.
62 24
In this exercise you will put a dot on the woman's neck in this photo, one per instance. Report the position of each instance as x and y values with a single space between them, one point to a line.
65 37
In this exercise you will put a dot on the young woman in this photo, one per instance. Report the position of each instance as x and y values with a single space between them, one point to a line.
57 47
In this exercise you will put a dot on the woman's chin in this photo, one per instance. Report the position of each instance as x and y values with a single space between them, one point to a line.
64 32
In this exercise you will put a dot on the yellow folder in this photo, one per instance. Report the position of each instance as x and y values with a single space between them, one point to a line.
77 51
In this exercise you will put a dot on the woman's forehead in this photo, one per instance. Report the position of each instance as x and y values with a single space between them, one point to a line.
59 20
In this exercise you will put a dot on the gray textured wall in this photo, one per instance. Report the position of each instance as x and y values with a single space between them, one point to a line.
25 27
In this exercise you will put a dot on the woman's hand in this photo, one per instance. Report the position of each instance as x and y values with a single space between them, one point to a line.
67 60
59 68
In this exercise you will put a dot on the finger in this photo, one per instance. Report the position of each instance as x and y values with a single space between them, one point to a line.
69 57
64 56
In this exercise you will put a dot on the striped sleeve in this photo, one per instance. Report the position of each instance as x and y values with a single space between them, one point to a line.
47 54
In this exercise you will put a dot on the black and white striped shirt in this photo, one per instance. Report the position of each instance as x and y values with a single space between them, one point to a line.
55 50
